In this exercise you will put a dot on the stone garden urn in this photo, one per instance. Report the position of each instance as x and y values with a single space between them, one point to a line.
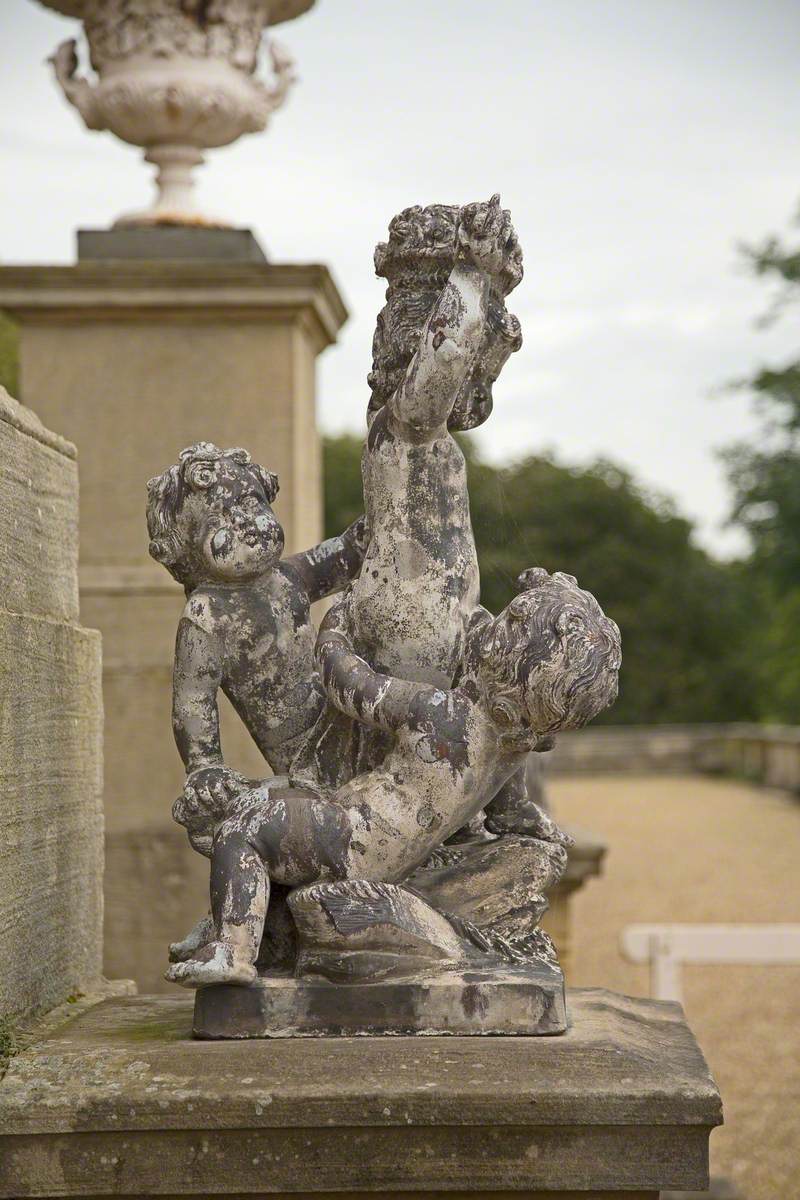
176 77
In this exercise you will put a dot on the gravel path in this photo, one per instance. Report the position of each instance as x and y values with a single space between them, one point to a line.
697 850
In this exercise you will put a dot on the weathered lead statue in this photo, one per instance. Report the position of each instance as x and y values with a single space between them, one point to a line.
246 627
365 858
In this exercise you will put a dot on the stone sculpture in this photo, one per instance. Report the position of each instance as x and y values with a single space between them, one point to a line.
177 78
246 627
396 847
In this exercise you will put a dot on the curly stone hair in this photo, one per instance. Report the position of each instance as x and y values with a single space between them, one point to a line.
559 647
167 492
417 261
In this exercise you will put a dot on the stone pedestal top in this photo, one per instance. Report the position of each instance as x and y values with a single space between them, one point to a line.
169 243
121 1101
104 290
585 860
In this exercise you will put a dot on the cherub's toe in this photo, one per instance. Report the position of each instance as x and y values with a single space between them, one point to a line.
177 974
218 964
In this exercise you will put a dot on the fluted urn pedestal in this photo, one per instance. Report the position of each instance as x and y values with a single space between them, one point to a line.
176 77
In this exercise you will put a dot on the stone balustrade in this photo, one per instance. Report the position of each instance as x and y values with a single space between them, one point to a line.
768 754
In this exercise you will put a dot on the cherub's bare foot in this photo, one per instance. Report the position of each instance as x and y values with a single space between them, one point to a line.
218 962
200 935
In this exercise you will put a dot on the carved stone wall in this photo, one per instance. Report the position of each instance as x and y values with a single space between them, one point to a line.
51 816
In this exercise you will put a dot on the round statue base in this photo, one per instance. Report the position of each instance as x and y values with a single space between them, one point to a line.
524 1000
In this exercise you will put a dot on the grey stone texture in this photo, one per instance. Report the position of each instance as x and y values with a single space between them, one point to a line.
51 857
525 1001
38 516
171 243
122 1102
416 711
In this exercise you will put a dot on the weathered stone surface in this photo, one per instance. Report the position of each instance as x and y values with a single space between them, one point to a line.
417 708
156 862
527 1001
38 516
490 882
719 1189
50 729
51 855
623 1100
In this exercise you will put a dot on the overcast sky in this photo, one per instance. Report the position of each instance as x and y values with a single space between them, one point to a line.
635 141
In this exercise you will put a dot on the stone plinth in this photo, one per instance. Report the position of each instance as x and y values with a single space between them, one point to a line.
122 1102
584 862
51 725
136 359
515 1000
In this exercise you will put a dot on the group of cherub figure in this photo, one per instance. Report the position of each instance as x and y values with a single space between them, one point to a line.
405 724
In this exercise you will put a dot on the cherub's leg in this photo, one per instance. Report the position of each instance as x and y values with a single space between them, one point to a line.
239 899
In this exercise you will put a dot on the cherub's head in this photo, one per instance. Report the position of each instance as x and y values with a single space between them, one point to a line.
210 517
550 660
417 261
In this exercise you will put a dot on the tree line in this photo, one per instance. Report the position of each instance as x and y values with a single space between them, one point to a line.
681 613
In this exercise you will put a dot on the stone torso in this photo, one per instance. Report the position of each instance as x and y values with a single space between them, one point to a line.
267 642
444 766
419 582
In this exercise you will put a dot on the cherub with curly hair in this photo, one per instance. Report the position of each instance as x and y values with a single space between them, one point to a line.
548 662
246 627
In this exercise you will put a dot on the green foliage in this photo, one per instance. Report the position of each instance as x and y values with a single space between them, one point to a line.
765 480
343 497
9 373
681 613
766 489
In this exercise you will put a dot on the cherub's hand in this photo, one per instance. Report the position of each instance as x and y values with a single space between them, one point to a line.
208 794
531 821
486 238
357 535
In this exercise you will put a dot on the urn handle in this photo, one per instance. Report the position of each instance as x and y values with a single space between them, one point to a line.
271 95
76 88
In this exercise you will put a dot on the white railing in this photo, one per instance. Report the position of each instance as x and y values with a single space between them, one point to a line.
667 947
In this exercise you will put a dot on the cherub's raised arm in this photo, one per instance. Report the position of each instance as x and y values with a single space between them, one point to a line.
455 330
329 566
353 686
196 681
448 349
